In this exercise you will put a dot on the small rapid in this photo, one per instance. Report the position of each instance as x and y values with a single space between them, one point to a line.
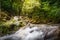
34 32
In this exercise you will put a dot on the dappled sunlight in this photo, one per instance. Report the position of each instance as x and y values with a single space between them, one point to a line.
28 5
16 18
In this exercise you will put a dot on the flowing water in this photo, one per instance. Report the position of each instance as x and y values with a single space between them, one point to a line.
34 32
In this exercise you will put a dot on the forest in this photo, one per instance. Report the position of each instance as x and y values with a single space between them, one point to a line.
15 14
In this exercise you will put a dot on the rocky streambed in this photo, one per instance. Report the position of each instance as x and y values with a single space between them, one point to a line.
35 32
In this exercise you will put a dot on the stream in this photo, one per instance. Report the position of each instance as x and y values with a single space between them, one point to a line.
34 32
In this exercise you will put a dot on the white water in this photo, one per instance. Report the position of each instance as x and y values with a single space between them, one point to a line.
37 32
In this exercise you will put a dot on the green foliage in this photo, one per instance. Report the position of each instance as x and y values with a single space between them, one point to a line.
29 5
6 4
45 9
10 26
17 6
12 6
54 15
